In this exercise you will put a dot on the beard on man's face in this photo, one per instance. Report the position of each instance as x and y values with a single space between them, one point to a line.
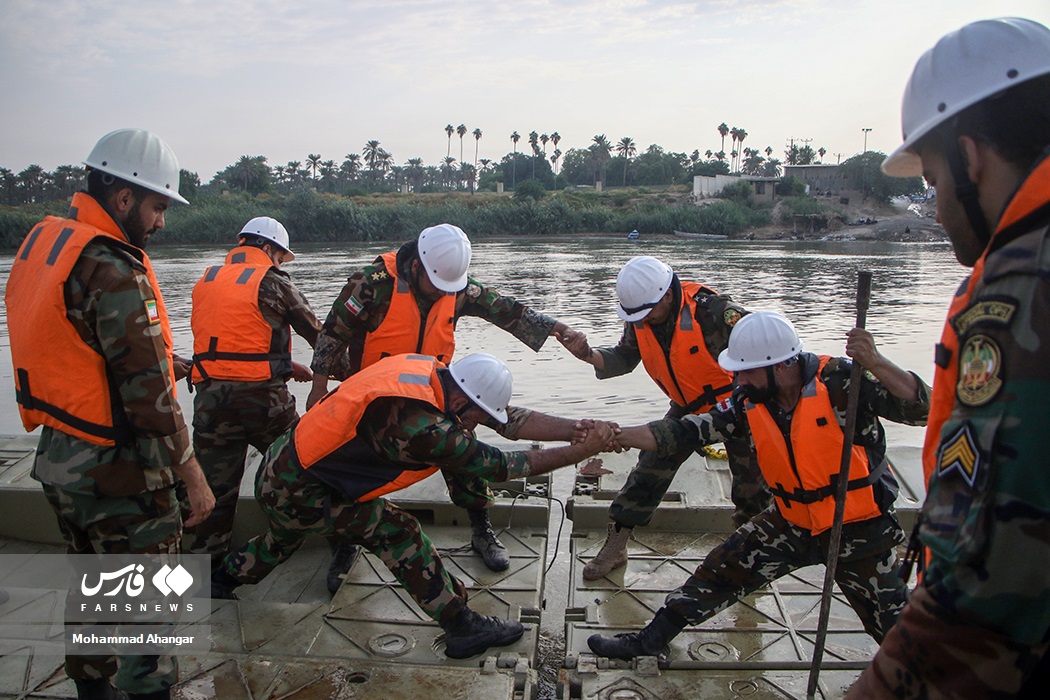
135 227
759 395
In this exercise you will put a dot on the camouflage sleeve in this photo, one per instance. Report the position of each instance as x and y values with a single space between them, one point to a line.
108 292
723 422
282 303
356 311
527 325
622 358
717 314
416 432
986 519
875 400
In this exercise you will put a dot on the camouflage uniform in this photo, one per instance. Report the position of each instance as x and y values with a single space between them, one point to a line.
651 477
297 504
228 416
362 305
768 546
979 623
119 499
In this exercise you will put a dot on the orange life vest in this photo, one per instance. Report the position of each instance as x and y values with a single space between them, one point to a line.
326 438
404 330
1030 196
61 381
231 339
799 474
686 371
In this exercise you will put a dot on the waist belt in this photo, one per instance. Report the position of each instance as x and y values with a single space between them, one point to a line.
806 496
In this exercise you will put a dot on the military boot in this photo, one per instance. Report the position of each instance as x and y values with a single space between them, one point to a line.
483 541
222 584
613 553
344 556
649 641
98 689
470 633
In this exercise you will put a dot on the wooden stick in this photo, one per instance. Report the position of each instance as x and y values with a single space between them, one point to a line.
863 299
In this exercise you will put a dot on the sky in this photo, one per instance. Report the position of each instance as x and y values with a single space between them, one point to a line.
284 79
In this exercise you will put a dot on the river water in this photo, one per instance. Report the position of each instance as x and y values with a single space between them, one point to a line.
573 279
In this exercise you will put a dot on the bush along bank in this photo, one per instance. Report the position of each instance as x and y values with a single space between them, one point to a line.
313 217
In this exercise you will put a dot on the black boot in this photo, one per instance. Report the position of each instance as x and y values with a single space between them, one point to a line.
649 641
483 541
344 556
222 584
155 695
98 689
469 633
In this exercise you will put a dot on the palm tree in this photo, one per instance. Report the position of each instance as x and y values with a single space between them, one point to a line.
723 130
372 153
821 151
769 151
708 153
449 129
600 149
477 143
351 167
555 138
534 141
462 131
741 134
544 139
514 163
414 172
448 170
313 161
771 168
554 160
626 148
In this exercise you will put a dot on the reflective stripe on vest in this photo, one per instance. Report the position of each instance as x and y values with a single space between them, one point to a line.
402 329
686 371
327 430
231 338
801 474
1028 198
60 381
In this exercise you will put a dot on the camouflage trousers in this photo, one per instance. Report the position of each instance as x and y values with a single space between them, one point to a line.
933 653
147 523
297 505
228 417
651 477
768 547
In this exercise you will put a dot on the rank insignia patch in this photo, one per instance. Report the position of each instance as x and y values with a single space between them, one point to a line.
151 311
731 316
379 276
353 306
959 453
980 364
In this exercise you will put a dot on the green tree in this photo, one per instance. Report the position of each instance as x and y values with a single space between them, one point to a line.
462 131
723 131
600 150
865 170
372 153
477 144
626 149
449 130
514 137
530 189
313 162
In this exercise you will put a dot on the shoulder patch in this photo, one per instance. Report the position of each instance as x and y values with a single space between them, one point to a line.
378 276
473 291
980 364
731 316
959 453
152 313
725 405
996 312
353 305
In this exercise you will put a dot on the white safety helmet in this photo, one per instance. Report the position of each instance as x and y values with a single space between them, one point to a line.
640 286
963 68
760 339
139 157
486 381
444 251
270 229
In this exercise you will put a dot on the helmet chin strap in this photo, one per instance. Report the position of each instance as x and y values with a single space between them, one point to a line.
965 188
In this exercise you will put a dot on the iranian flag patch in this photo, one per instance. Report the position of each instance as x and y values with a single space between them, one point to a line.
353 306
151 311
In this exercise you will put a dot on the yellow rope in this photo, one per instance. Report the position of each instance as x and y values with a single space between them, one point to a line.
716 452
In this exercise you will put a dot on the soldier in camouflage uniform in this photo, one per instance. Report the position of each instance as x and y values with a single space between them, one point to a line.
357 332
976 120
683 327
389 425
93 363
794 411
242 315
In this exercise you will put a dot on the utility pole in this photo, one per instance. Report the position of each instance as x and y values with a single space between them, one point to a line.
838 158
865 130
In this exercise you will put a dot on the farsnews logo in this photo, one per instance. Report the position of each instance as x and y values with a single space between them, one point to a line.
131 581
